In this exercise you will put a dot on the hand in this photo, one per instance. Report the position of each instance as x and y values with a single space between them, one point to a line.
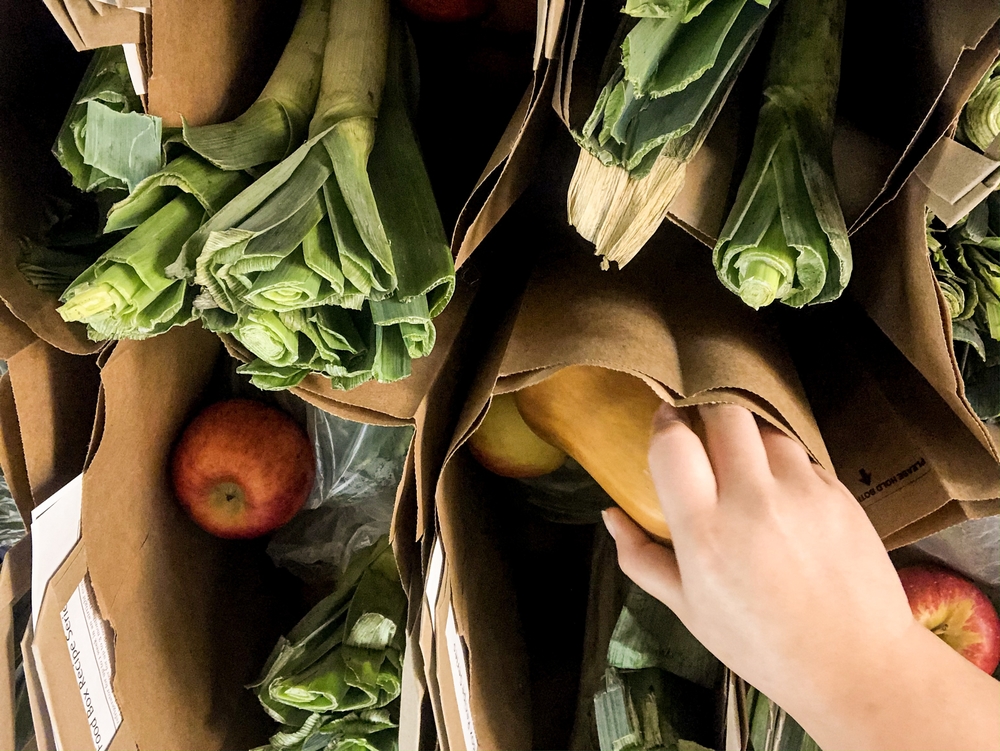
777 570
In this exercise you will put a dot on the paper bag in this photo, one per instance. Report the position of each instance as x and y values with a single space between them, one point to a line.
15 587
902 85
664 319
88 27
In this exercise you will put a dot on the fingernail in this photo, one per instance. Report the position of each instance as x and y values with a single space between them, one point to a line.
609 521
665 416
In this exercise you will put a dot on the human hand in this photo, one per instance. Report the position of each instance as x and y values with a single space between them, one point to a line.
776 569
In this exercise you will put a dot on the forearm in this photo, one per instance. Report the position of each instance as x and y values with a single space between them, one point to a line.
922 696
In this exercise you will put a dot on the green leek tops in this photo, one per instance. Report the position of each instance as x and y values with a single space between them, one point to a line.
966 261
126 293
334 261
678 63
106 142
785 237
276 123
980 120
334 681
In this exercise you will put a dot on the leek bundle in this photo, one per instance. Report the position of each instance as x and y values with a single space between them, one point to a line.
678 64
773 729
276 123
979 124
334 682
334 261
966 261
106 142
785 237
659 683
126 293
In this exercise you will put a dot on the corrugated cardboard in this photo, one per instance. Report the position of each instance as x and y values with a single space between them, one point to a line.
15 585
88 27
957 178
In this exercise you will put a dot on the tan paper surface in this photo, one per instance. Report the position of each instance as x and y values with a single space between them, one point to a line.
211 60
88 27
194 616
15 583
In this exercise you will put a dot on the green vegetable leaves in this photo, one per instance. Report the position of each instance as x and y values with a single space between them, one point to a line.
785 237
334 682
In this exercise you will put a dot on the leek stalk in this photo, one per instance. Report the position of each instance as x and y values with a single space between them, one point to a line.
678 63
277 122
347 222
126 294
106 142
334 682
980 120
785 237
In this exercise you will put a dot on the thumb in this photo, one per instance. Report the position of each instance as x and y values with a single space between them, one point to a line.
649 564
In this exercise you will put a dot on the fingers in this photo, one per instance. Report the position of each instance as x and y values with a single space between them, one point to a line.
785 456
734 447
679 466
650 565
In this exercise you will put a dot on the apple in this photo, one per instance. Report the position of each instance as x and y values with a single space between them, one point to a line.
242 469
448 10
505 445
956 610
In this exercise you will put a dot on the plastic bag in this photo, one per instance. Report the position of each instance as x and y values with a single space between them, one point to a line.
358 469
11 524
568 496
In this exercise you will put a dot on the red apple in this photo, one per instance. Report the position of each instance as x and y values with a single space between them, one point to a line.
956 610
242 469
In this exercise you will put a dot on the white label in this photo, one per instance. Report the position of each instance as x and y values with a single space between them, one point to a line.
435 573
55 530
89 643
135 68
460 676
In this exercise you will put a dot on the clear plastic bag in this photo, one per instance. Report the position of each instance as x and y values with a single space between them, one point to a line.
971 548
358 469
568 496
11 524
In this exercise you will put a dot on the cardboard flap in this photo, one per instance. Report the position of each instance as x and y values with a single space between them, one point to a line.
951 169
895 283
211 60
15 583
15 470
89 27
194 616
898 446
665 317
55 395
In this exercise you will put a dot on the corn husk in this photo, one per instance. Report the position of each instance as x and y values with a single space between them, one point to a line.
106 142
334 681
126 294
344 222
277 122
785 237
679 63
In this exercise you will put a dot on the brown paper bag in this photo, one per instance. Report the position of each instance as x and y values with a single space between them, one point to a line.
15 610
902 85
664 319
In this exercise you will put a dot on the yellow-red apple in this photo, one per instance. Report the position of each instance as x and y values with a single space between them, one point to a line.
242 468
956 610
506 446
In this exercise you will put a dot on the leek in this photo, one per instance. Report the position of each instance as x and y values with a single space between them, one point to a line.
125 294
678 64
966 262
276 123
106 142
334 682
980 120
347 222
785 237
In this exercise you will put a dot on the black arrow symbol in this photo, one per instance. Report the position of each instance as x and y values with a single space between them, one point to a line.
866 476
